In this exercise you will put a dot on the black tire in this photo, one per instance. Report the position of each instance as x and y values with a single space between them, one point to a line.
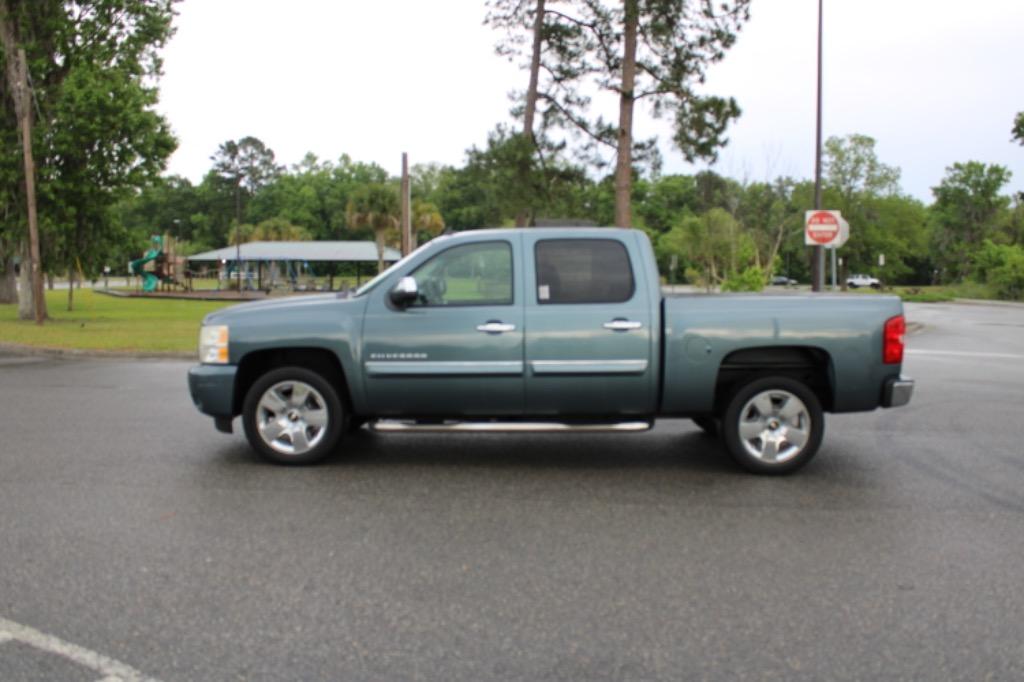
802 421
321 403
709 425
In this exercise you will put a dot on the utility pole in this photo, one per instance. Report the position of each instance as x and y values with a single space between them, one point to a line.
238 231
407 245
818 258
23 105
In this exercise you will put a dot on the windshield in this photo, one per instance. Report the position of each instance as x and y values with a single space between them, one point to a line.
366 288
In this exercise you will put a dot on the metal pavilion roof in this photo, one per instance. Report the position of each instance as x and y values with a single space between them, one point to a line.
344 252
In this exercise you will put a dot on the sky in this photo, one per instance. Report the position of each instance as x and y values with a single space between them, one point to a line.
934 82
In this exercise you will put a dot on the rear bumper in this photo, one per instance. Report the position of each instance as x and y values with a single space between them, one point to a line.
213 389
897 391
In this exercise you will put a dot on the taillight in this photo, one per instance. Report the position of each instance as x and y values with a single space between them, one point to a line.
892 340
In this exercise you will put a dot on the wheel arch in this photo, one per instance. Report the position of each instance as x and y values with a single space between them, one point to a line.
809 364
255 364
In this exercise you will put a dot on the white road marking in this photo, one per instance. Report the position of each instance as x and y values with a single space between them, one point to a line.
964 354
111 670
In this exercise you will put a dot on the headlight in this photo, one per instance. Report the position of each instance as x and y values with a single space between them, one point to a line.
213 345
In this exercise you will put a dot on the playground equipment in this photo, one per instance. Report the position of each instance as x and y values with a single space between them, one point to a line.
158 265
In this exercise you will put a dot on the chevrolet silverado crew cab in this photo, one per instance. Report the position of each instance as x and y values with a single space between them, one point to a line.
552 330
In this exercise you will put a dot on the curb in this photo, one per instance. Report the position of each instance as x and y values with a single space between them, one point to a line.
179 297
21 349
981 301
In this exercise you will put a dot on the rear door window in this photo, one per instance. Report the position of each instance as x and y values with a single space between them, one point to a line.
583 271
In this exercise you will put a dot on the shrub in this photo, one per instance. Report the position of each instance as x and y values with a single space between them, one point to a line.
749 279
1008 278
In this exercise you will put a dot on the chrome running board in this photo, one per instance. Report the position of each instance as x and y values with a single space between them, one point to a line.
397 426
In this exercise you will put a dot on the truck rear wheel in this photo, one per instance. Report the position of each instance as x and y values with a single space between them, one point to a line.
292 415
773 425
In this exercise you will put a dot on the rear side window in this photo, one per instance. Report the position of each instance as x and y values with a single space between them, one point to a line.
583 271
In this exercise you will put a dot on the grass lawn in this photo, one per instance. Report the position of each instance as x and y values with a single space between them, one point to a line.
109 323
936 294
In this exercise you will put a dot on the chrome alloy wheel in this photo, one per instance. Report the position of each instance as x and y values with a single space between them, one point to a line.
291 417
774 426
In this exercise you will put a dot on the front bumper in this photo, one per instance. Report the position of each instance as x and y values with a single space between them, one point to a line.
897 391
213 389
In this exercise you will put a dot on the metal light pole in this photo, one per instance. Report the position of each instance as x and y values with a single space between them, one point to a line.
818 259
406 217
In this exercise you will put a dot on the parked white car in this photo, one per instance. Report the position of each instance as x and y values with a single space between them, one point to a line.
855 281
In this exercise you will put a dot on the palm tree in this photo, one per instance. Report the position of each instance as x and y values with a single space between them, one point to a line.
375 206
425 218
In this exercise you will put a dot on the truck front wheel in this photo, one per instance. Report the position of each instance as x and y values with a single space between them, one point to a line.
292 415
773 425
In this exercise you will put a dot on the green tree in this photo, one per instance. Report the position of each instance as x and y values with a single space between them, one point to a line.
247 165
1002 266
1018 128
165 205
967 210
882 221
658 50
769 216
376 207
427 221
667 198
272 230
653 50
490 188
851 166
103 152
531 16
94 68
1014 226
314 194
716 246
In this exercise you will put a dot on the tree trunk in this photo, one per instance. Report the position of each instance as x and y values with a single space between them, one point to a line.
8 281
530 112
531 92
17 81
49 281
380 250
624 162
776 245
71 289
26 302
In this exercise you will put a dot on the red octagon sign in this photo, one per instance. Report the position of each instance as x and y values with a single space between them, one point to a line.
822 227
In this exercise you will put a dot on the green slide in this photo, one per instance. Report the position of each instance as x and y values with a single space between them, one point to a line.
149 280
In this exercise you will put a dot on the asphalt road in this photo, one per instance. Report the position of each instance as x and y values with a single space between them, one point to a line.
132 533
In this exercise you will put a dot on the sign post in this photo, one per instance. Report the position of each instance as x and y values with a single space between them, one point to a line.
833 269
826 229
823 228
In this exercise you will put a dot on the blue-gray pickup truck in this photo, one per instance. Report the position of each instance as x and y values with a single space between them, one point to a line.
550 330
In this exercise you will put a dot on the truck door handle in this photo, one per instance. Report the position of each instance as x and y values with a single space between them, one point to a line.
620 325
495 327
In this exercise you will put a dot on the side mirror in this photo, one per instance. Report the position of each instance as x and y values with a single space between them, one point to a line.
405 292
